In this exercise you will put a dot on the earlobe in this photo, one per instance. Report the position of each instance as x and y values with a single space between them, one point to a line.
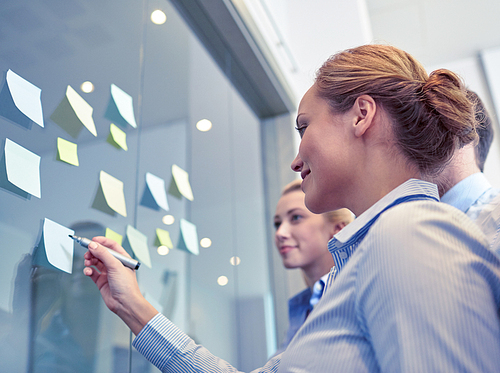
364 108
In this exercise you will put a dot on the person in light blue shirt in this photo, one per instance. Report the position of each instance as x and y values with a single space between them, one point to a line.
462 184
301 238
415 287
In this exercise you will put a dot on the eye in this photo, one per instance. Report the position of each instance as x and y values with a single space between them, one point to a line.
301 129
277 225
296 217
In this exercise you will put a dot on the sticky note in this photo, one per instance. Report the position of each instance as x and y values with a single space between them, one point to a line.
117 137
67 152
73 112
111 234
188 240
138 242
154 195
110 197
120 108
55 249
20 101
180 185
22 168
163 238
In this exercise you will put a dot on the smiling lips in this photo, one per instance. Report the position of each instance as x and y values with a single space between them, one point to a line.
285 249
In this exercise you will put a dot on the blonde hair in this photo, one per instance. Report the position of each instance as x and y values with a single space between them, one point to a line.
431 115
336 216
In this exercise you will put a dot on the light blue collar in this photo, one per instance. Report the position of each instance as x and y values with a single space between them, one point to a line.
463 194
412 187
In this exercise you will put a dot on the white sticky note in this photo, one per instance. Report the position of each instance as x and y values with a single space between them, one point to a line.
23 168
112 189
124 104
56 247
82 109
156 186
189 237
181 178
26 97
139 244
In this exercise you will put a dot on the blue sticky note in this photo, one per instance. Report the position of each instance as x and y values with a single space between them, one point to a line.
154 195
188 240
20 101
55 249
120 108
23 168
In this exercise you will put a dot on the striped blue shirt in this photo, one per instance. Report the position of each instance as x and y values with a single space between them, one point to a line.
415 290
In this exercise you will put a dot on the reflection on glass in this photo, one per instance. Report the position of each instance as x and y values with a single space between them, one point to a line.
205 242
87 87
222 280
163 250
168 220
158 17
235 260
204 125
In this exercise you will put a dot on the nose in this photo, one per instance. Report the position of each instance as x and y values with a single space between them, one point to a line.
297 164
282 232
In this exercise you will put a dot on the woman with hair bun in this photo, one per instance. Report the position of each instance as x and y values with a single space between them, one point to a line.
414 287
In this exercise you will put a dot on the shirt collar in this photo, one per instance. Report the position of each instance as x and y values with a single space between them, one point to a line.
412 187
463 194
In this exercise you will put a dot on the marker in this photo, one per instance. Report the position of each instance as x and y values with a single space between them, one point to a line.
126 261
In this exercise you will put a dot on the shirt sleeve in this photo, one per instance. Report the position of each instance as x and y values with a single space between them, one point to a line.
428 292
172 351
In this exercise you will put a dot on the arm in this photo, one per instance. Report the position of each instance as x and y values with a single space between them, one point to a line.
429 292
160 341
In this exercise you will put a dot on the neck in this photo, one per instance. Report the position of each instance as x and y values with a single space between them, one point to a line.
313 273
462 165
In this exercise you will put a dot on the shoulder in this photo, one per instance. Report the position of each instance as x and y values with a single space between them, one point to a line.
423 228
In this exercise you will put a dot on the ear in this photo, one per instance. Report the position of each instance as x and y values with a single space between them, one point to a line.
337 227
364 110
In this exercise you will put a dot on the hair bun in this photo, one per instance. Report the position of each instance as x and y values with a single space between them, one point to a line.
445 94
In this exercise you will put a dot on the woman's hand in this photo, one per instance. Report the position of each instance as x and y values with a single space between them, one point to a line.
117 284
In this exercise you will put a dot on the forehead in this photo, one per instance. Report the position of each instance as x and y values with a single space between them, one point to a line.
289 201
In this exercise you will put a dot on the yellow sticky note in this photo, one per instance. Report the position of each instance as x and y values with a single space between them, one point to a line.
73 112
181 179
163 238
111 234
22 168
112 188
117 137
67 152
138 242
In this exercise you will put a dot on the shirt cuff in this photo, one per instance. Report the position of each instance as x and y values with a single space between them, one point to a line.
160 340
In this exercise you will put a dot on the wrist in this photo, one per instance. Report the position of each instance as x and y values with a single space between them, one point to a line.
137 314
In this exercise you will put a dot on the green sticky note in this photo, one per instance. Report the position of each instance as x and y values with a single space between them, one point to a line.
73 112
22 168
188 240
163 238
67 152
110 197
138 242
111 234
181 179
117 137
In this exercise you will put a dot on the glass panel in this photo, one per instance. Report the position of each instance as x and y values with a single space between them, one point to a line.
54 321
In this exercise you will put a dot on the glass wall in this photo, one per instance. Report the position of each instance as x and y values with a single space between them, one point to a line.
151 85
